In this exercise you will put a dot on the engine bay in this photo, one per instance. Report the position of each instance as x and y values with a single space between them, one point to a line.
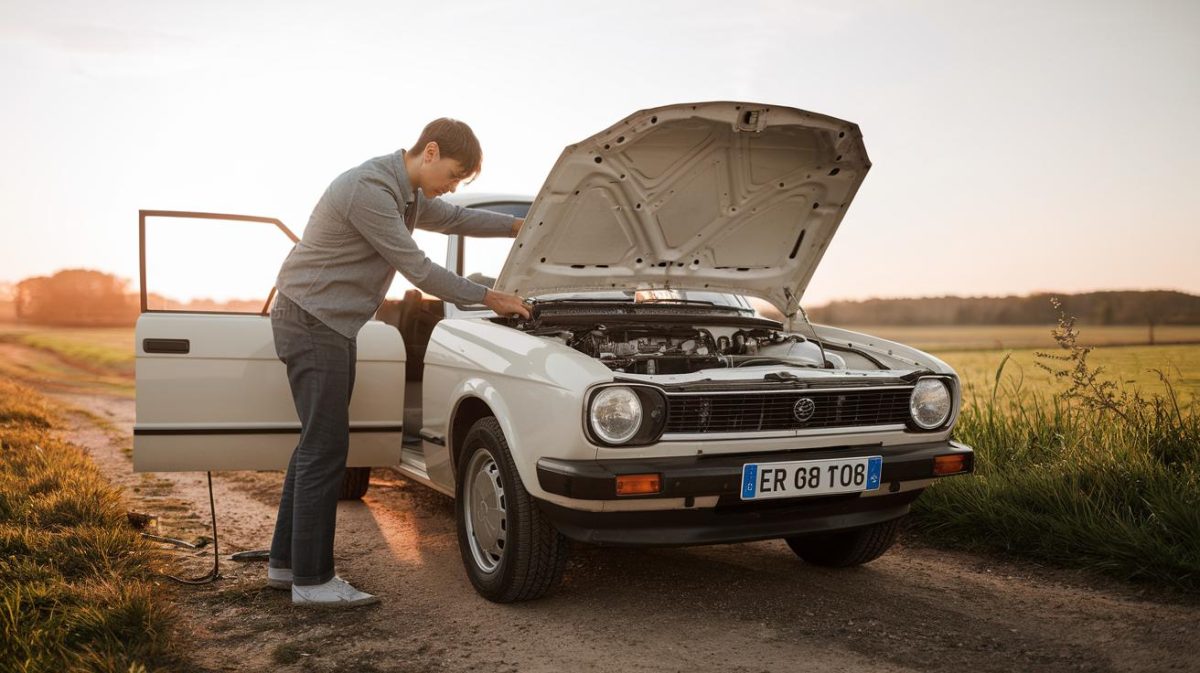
682 339
672 349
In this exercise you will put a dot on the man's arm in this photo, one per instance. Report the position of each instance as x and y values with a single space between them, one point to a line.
374 213
437 215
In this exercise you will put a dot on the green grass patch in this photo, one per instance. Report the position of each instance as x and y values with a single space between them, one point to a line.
79 591
1091 474
96 355
103 349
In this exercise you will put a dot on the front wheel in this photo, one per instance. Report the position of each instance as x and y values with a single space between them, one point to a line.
510 550
846 548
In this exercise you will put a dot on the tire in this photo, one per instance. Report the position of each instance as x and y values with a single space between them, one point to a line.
846 548
510 550
355 483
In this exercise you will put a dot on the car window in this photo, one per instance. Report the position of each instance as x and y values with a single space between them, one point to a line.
211 263
484 257
436 247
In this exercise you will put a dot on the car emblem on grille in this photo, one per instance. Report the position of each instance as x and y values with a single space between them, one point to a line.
804 408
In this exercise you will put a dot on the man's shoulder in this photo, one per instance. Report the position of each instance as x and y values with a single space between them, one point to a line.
377 175
384 163
378 169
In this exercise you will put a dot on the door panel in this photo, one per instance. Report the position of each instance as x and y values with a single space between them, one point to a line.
221 400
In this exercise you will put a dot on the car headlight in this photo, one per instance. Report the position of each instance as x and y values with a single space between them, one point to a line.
616 414
931 403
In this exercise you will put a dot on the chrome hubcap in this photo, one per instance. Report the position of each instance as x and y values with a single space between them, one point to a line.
485 505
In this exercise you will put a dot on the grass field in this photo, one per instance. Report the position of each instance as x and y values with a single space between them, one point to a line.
1130 365
79 593
936 338
108 349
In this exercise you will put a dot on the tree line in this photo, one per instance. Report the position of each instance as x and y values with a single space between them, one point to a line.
89 298
1122 307
77 298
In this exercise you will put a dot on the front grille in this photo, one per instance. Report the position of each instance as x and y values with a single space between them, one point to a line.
754 412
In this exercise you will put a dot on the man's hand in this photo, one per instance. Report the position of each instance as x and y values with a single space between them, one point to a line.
517 226
506 304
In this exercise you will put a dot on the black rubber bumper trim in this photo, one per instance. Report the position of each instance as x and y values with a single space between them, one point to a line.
729 521
699 476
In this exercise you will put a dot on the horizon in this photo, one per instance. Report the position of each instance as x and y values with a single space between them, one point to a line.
134 290
1014 147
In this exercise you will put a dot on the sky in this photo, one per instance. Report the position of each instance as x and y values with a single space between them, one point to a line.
1016 146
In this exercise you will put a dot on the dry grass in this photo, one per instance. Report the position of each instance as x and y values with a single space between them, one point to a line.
79 593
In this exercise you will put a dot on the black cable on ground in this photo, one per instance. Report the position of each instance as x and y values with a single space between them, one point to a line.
215 573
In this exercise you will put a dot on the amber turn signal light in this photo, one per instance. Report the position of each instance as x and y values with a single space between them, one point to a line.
639 484
951 464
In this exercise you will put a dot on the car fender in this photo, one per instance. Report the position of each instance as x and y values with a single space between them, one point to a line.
535 388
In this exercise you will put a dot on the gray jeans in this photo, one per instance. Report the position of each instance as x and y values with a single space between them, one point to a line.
320 369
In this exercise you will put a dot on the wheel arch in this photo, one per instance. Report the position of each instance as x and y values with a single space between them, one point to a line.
515 410
466 413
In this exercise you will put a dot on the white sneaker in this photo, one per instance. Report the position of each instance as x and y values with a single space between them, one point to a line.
336 593
279 578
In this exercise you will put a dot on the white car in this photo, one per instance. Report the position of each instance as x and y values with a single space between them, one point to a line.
648 401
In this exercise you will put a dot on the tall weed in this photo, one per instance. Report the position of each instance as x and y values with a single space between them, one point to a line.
1092 476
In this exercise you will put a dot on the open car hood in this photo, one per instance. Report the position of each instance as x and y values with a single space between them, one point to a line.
725 197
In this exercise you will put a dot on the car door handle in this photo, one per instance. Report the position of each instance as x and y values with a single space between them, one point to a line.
172 346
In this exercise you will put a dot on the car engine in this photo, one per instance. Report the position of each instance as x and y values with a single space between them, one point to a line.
668 349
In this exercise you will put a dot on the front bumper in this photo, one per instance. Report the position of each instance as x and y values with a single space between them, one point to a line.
732 519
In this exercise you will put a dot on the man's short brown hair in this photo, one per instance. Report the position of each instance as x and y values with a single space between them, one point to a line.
455 140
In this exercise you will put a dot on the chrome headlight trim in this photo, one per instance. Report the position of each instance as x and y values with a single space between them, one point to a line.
931 403
650 425
615 414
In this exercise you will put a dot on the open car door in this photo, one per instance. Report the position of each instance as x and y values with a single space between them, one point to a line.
211 392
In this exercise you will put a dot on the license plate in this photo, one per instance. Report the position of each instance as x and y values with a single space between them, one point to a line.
810 477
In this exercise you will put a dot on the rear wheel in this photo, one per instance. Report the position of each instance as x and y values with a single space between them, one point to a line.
848 547
510 550
355 483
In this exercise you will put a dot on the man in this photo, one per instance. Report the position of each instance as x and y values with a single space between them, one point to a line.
331 283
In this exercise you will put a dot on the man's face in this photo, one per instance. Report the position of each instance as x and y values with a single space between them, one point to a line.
440 175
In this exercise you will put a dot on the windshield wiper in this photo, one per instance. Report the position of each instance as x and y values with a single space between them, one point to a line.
695 302
598 300
672 300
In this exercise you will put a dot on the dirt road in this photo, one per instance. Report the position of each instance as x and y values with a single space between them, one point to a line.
751 607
